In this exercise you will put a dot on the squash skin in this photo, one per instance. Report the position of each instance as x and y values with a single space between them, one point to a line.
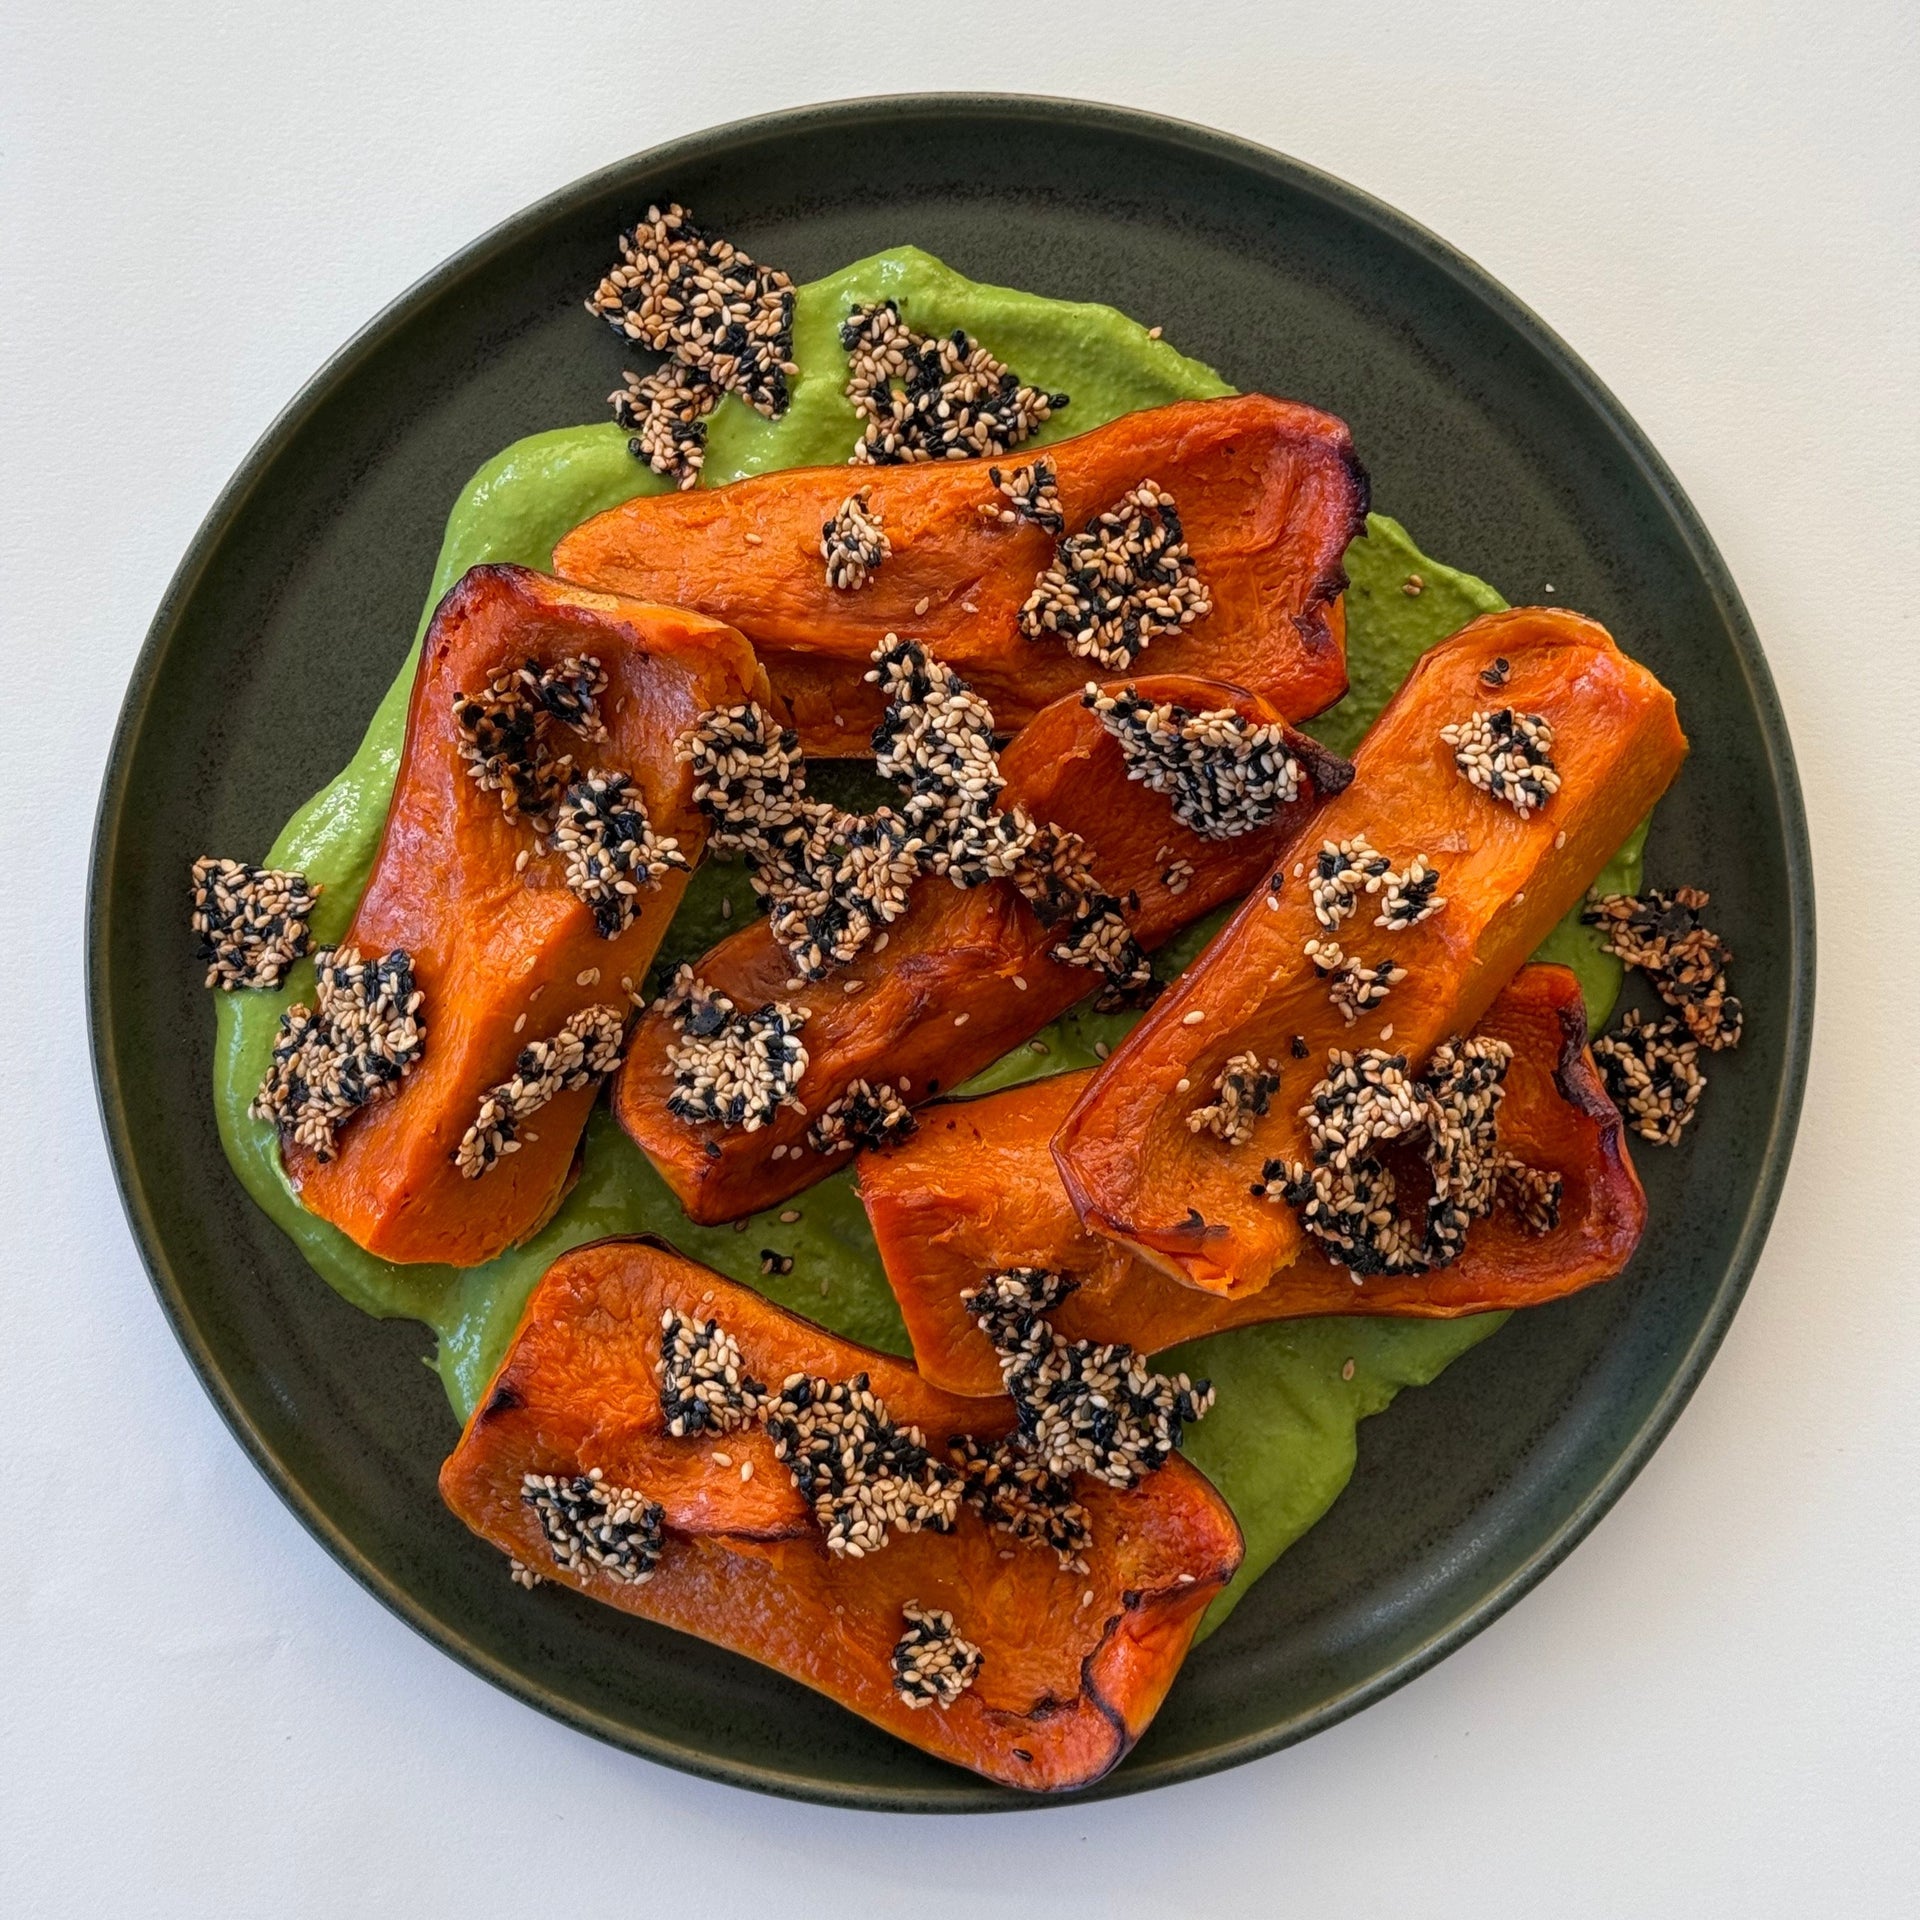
977 1190
1269 494
955 953
1185 1202
746 1567
490 944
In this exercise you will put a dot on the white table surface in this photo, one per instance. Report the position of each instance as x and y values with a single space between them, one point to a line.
1711 1709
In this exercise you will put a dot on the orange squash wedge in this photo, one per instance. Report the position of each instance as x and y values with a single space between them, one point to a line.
1268 495
965 975
743 1563
1186 1202
502 950
976 1192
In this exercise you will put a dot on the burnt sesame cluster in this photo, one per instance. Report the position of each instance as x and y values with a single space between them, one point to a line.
1112 588
1660 935
1347 1195
1032 494
868 1114
252 921
1508 754
585 1049
1242 1093
1225 774
864 1475
505 731
730 1068
940 397
932 1665
1083 1408
853 544
609 848
359 1039
592 1527
724 321
704 1384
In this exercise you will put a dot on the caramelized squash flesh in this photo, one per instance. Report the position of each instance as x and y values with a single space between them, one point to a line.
977 1192
1268 495
503 950
1066 1682
965 975
1185 1201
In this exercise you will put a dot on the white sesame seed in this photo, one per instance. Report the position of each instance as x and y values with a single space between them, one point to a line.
1194 1018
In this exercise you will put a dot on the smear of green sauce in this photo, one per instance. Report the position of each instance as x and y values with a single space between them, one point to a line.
1280 1442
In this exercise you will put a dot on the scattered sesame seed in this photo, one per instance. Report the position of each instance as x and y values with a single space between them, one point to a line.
1413 586
1194 1018
788 1215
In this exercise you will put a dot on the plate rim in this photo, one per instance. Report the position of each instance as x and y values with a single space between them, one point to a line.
1298 176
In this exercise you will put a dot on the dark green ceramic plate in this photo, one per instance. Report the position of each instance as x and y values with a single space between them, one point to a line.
1483 433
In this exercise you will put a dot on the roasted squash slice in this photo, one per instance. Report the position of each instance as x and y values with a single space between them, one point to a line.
1268 494
976 1192
1073 1664
964 975
502 950
1186 1201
